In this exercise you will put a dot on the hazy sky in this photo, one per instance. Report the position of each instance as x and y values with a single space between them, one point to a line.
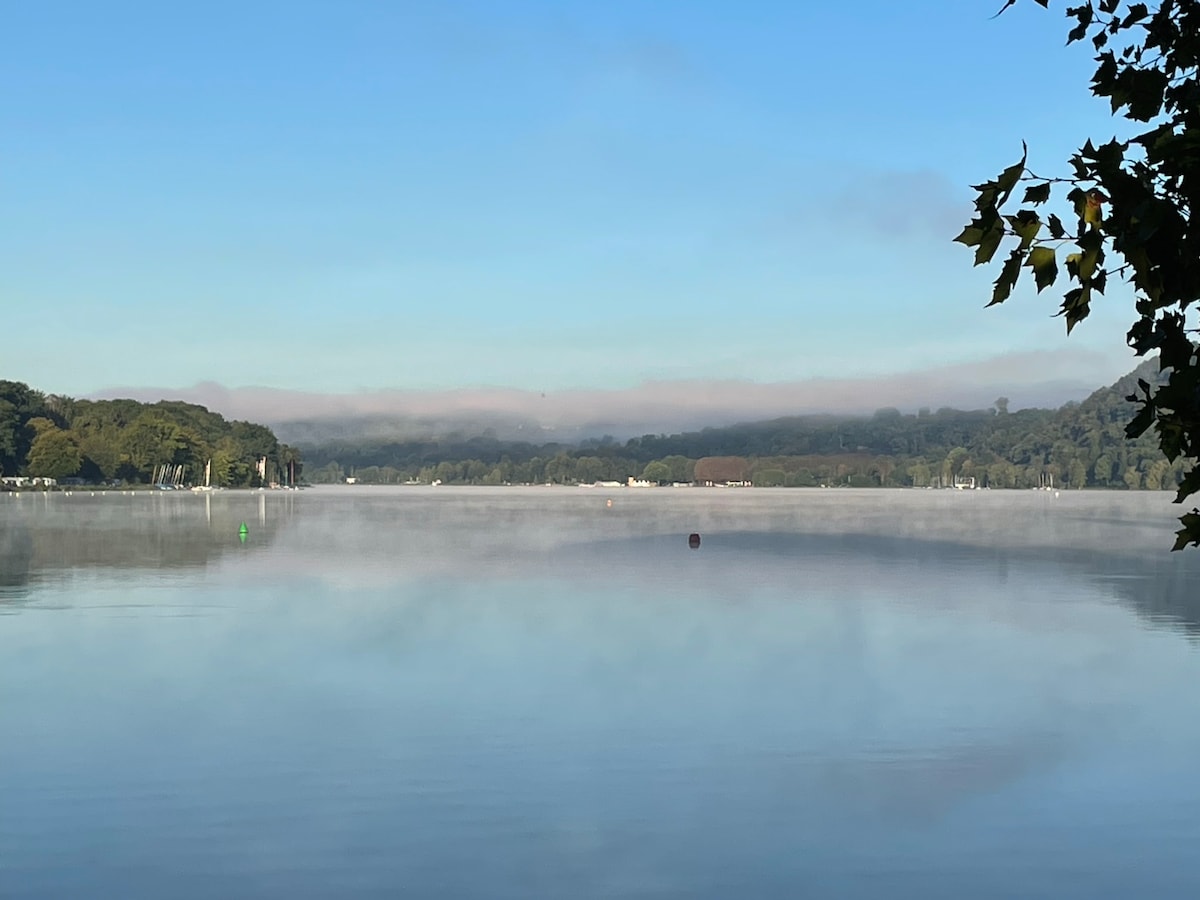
336 196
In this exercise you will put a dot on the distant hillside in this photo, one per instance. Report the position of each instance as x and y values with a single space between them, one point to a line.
1078 445
377 428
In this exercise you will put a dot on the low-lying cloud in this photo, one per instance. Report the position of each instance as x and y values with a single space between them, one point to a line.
1038 378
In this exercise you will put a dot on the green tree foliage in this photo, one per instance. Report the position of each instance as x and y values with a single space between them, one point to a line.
680 467
801 477
657 472
107 439
151 441
1131 199
18 405
1081 445
53 452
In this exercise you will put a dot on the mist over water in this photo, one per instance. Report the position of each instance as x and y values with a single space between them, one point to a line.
528 693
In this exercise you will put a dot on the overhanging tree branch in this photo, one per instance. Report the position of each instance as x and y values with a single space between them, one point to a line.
1130 198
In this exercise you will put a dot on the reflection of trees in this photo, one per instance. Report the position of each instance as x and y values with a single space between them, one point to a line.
48 534
16 555
831 539
1162 591
915 543
1159 587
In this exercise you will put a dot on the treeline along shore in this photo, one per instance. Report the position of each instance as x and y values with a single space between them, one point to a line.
47 439
1079 445
1076 446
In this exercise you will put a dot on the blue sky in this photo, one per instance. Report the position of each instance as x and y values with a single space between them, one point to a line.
346 196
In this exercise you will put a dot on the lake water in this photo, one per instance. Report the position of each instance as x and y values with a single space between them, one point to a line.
526 693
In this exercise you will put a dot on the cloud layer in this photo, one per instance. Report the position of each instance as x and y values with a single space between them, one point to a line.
1028 379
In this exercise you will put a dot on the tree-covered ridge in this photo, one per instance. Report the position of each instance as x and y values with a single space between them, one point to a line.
124 440
1079 445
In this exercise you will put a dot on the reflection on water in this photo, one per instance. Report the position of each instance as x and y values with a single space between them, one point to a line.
528 693
54 535
16 557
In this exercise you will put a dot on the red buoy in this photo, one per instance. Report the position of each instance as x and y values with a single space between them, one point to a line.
694 541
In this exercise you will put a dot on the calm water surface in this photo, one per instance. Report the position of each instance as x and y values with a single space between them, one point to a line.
526 693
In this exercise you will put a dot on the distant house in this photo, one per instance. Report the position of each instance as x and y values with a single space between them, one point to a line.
722 471
23 480
351 480
640 483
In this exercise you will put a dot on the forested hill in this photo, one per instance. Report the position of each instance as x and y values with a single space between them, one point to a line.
109 440
1081 444
1089 428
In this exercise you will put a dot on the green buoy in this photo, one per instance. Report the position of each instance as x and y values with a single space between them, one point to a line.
242 532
